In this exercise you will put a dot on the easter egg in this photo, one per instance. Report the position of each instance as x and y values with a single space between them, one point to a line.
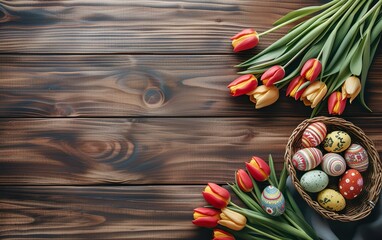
331 200
314 134
351 184
337 141
356 157
272 201
314 181
307 158
333 164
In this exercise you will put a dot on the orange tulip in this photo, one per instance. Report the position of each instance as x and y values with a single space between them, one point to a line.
216 196
311 69
246 39
294 85
206 217
244 181
258 169
243 85
222 235
272 75
336 105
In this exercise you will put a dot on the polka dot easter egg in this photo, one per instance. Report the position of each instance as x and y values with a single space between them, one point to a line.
307 158
333 164
313 135
314 181
272 201
351 184
356 157
337 141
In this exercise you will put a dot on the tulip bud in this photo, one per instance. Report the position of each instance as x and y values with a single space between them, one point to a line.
216 196
258 169
232 220
272 75
243 85
351 88
222 235
246 39
311 69
294 85
336 105
206 217
264 96
244 181
314 93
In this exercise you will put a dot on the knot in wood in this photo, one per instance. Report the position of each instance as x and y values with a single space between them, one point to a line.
153 97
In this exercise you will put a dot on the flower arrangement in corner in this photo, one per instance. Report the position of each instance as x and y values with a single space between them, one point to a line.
268 214
323 58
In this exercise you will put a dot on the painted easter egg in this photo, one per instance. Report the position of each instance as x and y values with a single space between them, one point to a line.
314 181
307 158
356 157
272 201
337 141
333 164
313 135
331 200
351 184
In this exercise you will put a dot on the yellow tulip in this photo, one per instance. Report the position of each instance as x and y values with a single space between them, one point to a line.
264 96
314 93
232 220
351 88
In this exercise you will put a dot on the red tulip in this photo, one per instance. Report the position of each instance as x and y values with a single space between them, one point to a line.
222 235
244 181
243 85
206 217
272 75
311 69
216 196
294 85
336 105
246 39
258 169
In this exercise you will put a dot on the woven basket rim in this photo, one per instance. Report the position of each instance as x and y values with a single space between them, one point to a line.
376 172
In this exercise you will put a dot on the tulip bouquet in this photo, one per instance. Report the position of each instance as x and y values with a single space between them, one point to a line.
256 220
327 56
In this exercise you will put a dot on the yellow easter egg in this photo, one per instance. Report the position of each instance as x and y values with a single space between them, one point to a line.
337 141
331 200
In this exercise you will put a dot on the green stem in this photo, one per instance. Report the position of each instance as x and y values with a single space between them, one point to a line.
262 233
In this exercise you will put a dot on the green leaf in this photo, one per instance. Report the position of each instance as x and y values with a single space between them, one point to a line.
356 61
272 176
298 14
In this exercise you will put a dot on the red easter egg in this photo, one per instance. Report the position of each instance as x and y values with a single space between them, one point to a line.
351 184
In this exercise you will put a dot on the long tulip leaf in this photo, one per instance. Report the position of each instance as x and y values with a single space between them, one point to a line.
298 14
356 61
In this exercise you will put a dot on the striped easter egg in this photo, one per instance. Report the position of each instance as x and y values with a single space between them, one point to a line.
333 164
272 201
356 157
314 134
307 158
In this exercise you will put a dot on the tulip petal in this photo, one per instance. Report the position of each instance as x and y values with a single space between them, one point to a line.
219 190
214 200
242 33
208 222
245 42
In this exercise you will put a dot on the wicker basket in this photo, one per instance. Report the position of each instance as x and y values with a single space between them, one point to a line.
359 207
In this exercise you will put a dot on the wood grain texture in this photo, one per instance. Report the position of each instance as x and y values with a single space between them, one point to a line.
139 85
143 150
118 26
145 212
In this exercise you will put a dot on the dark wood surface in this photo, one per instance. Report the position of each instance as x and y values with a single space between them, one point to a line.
115 114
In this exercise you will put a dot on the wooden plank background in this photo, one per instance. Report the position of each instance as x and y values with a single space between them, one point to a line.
115 114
